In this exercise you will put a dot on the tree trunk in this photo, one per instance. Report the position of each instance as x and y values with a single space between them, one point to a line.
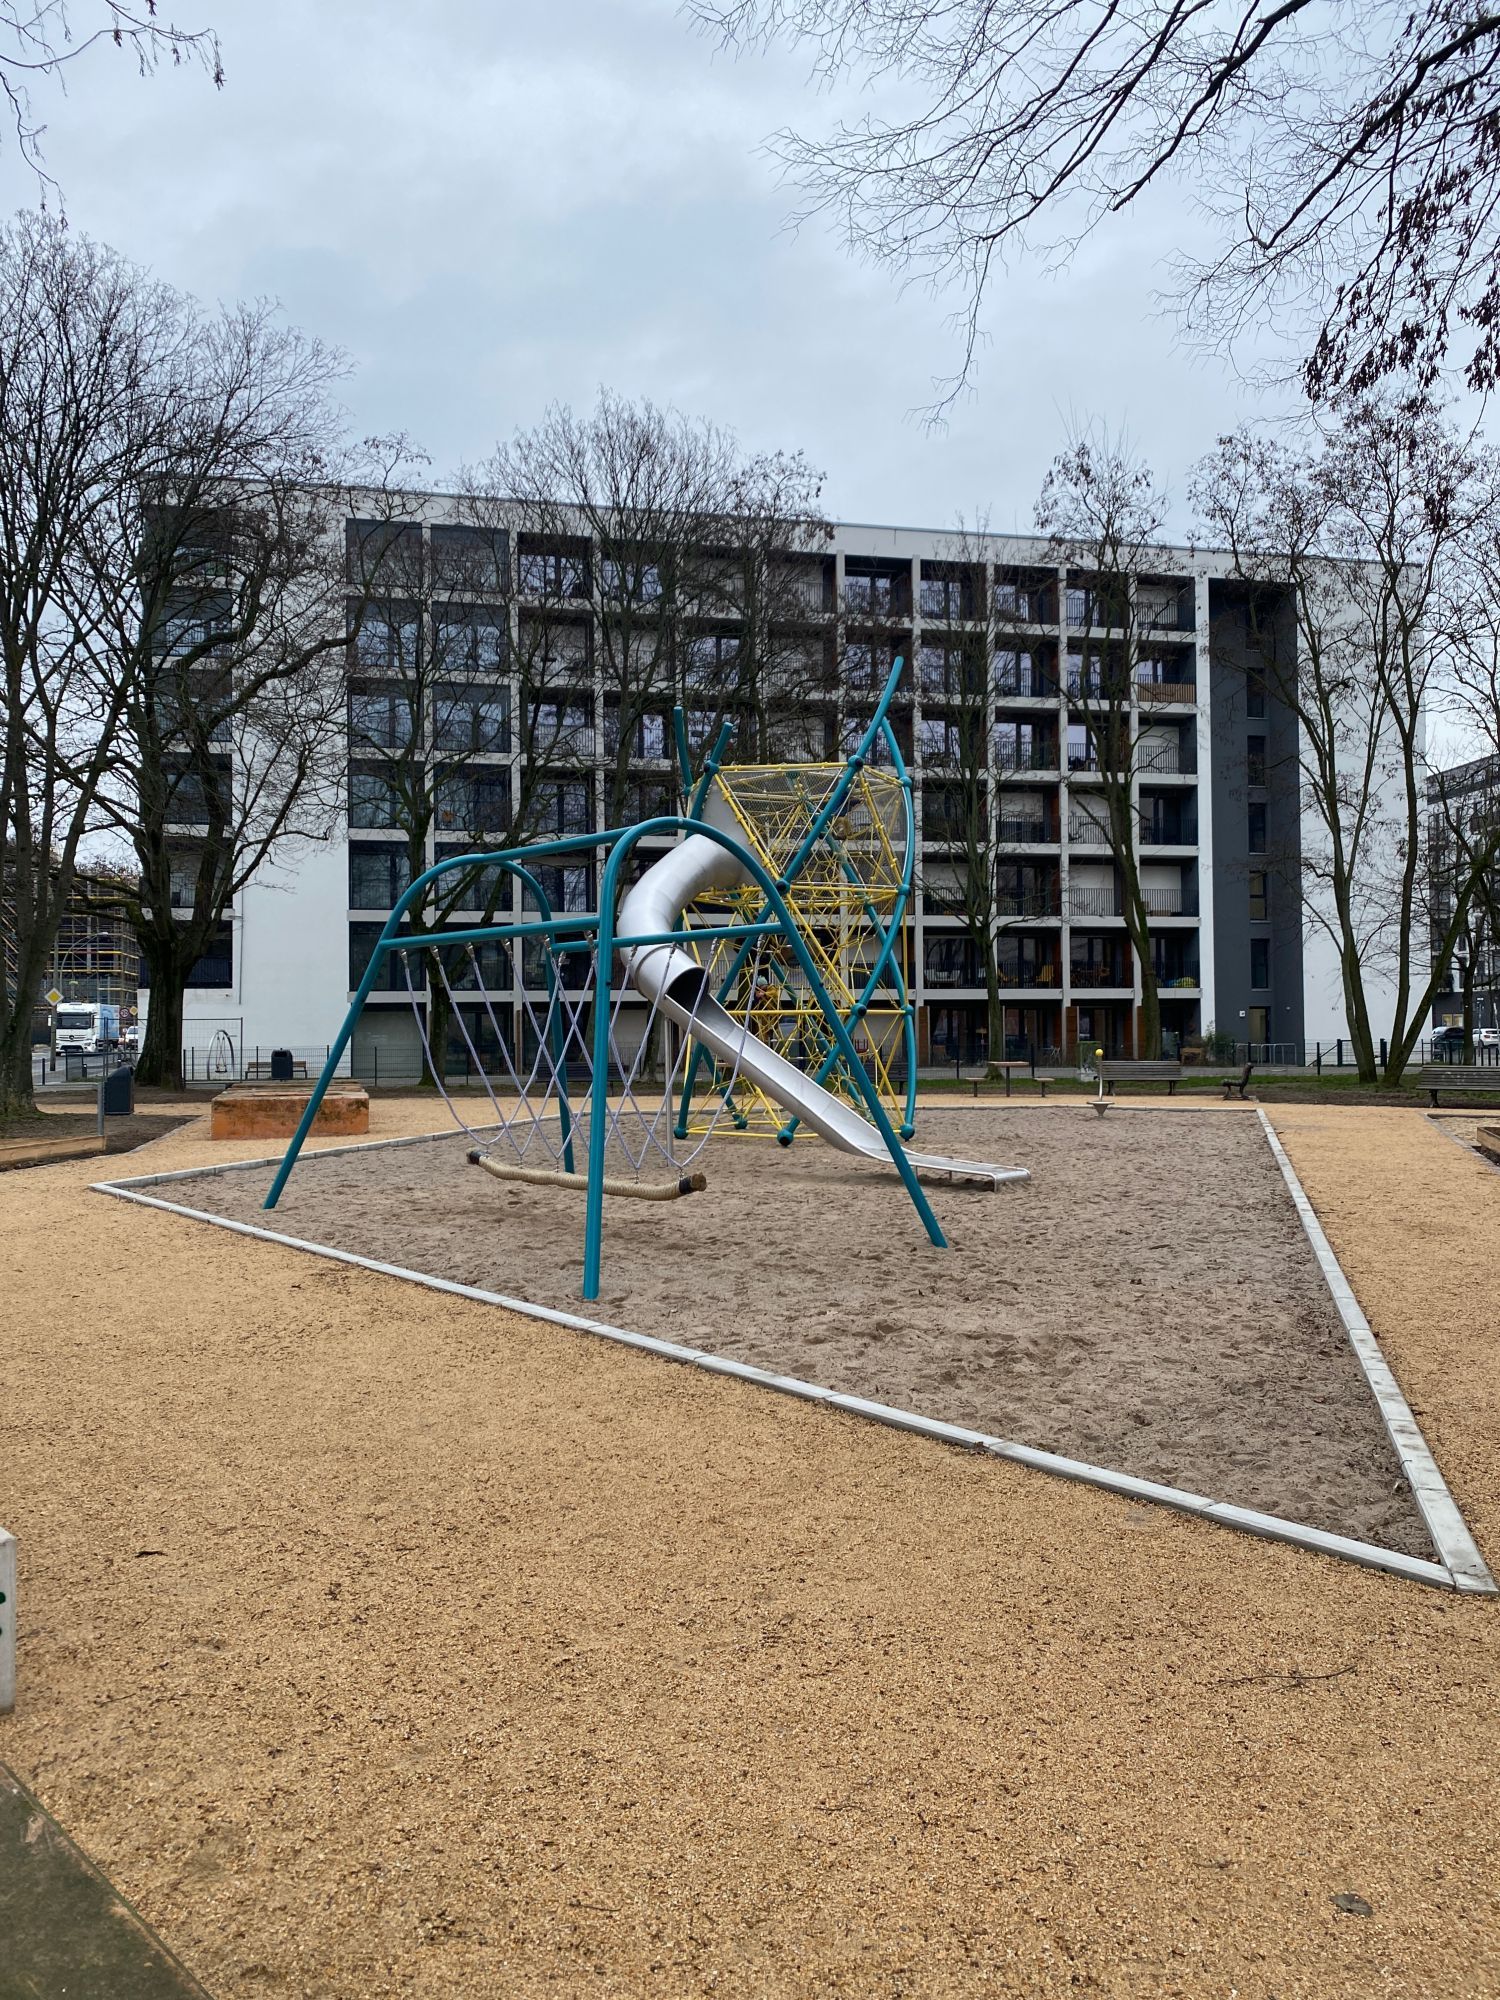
994 1016
17 1069
160 1062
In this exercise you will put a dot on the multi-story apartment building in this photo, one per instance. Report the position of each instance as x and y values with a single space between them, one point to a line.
1466 793
1215 791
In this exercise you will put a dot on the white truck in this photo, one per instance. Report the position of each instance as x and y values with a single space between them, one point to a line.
81 1025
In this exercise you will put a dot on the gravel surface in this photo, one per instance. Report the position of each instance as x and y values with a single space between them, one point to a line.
1148 1300
379 1644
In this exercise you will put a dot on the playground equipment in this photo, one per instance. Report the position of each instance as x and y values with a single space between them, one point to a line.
706 938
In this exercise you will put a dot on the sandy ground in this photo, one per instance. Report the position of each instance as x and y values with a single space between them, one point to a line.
1148 1300
481 1658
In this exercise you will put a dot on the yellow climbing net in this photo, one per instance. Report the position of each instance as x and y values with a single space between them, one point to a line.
843 900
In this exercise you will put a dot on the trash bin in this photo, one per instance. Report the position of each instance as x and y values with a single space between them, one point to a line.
281 1065
118 1092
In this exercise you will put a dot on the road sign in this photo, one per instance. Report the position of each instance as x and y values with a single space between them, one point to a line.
53 997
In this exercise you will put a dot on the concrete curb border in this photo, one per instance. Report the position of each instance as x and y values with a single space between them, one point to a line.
1457 1550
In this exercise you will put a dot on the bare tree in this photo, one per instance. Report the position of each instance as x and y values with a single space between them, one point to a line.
1348 153
1367 619
39 41
1102 512
88 346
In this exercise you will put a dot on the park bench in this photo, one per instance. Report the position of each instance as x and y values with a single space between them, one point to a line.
1169 1073
253 1070
1237 1085
1469 1077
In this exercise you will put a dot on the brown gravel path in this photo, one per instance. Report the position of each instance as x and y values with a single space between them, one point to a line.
484 1659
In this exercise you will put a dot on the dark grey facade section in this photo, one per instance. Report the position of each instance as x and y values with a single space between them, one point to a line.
1254 800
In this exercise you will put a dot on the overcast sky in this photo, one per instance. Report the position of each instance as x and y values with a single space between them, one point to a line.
491 207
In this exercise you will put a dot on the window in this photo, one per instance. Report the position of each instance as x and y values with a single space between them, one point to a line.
952 961
1255 696
472 558
630 581
878 594
649 799
561 728
553 573
568 890
940 669
482 887
1257 830
1082 753
649 733
946 597
476 802
1255 759
375 798
1023 746
380 718
387 642
391 979
1020 673
191 793
1260 963
377 876
1259 900
710 662
941 740
561 807
867 664
470 718
183 864
485 964
473 644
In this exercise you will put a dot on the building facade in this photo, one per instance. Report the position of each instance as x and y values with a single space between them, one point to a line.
1215 795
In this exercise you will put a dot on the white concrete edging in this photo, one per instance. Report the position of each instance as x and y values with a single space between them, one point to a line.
1269 1526
7 1622
1456 1547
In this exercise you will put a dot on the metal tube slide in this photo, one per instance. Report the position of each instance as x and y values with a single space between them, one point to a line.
676 981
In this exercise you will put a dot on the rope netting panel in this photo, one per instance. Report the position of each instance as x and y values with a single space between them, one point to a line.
534 1070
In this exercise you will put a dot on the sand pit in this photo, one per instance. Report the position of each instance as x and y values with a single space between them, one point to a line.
1148 1301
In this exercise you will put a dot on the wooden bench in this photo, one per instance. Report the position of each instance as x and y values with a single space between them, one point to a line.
258 1069
1237 1085
979 1076
1169 1073
1466 1077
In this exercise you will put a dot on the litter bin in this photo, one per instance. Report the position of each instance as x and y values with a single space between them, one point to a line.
281 1065
118 1093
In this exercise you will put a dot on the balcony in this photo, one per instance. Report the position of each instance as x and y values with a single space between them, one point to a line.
1028 903
1091 978
1086 832
1038 978
1025 831
1092 902
1033 756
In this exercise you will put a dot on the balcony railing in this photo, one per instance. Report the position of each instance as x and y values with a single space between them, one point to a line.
1167 833
1087 833
1163 902
1168 757
1028 682
1031 903
1028 757
1029 977
1036 831
1098 975
1089 902
1155 692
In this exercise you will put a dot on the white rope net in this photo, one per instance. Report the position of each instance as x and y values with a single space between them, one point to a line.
535 1071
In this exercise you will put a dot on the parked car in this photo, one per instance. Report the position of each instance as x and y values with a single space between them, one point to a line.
1487 1038
1447 1045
